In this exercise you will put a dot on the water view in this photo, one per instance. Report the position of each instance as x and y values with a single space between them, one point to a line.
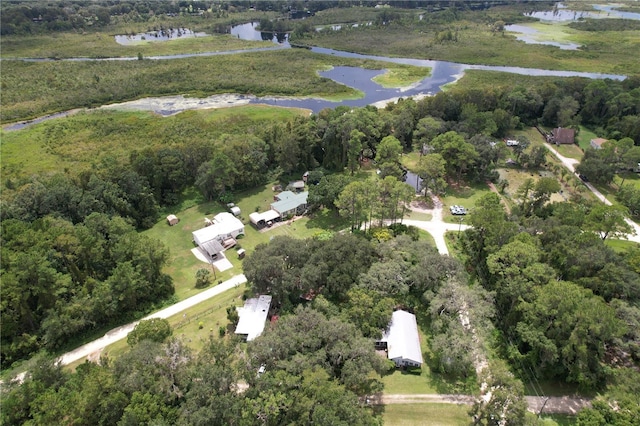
156 36
533 36
561 14
248 31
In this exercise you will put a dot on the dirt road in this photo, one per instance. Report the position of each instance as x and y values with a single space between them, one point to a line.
571 163
548 405
121 332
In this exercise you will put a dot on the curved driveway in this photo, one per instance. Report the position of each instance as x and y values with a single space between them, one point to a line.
571 163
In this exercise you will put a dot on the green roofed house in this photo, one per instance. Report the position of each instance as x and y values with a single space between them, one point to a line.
290 204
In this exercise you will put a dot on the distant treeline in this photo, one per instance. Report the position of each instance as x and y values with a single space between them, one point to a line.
33 17
606 25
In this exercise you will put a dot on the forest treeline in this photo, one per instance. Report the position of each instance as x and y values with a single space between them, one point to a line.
522 274
455 130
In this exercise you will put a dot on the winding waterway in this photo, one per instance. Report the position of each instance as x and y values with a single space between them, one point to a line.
442 73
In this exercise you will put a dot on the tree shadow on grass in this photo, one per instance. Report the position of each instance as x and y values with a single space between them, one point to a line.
327 219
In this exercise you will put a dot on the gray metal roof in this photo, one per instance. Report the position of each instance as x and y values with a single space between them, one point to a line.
289 201
403 340
253 316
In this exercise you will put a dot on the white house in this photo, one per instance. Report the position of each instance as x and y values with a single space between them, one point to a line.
224 227
290 203
402 340
253 316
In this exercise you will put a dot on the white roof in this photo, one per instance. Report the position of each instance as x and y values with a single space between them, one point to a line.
253 316
266 216
223 224
402 337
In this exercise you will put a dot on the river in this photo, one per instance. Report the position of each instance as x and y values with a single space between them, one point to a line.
442 73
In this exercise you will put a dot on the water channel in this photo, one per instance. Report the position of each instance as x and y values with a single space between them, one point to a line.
442 73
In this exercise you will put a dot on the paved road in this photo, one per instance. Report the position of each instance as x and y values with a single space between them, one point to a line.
552 405
571 163
121 332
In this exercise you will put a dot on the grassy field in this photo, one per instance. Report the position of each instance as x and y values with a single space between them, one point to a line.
78 141
101 42
620 246
426 415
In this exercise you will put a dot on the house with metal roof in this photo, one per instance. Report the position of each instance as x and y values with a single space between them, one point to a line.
402 341
260 220
289 203
224 228
253 316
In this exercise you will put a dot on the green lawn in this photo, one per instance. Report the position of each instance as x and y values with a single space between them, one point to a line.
570 151
426 414
621 246
584 138
419 216
465 196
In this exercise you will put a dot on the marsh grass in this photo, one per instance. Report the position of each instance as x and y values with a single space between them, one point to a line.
103 45
32 89
87 138
402 76
476 44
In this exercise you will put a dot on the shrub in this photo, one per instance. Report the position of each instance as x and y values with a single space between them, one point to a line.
155 329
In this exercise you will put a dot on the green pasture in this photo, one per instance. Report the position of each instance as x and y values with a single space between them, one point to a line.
570 151
426 415
584 138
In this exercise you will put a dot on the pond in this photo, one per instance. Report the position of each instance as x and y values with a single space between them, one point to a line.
533 36
248 31
561 14
156 36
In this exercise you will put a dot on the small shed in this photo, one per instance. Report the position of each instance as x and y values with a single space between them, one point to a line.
597 143
172 219
241 253
297 185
